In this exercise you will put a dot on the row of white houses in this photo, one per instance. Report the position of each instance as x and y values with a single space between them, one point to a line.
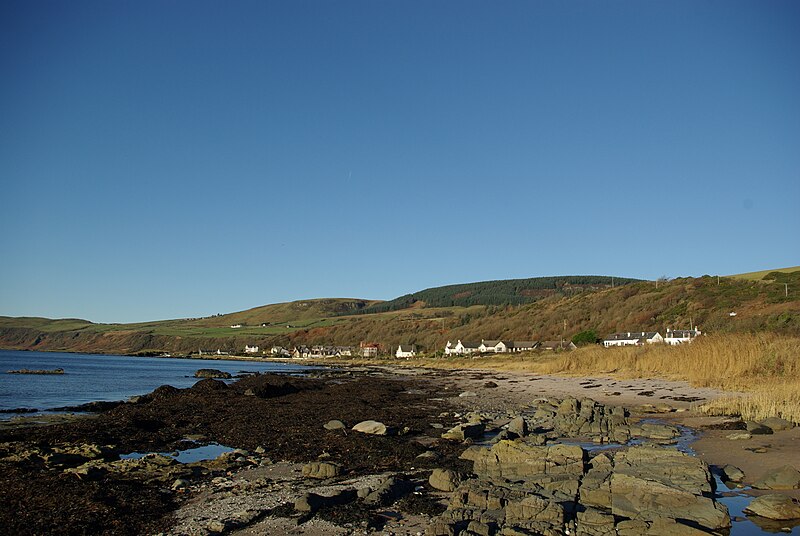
640 338
626 338
503 347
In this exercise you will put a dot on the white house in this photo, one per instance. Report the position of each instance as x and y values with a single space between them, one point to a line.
632 338
406 351
280 351
680 336
236 326
497 347
250 349
461 348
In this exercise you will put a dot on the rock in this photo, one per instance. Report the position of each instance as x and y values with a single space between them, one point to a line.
260 450
389 491
373 427
534 508
731 473
217 526
739 436
757 429
465 431
649 484
516 460
180 484
774 506
490 385
334 425
321 470
466 394
212 373
777 424
311 502
518 426
786 477
444 479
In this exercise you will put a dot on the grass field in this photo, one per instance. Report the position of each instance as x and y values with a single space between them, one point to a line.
758 276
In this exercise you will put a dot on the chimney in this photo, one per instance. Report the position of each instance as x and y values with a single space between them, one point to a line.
629 334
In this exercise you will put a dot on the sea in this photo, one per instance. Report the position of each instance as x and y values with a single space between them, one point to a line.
95 377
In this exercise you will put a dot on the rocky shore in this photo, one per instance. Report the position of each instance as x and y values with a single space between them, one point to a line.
370 450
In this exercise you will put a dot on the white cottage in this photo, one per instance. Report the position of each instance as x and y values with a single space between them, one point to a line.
406 351
680 336
250 349
497 347
632 338
461 348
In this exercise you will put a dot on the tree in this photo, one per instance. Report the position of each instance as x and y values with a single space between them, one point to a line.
585 337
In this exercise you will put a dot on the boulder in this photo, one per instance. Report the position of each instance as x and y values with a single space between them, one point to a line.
334 425
641 498
757 428
774 506
389 491
777 424
786 477
311 502
517 460
731 473
518 426
372 427
461 432
650 484
321 470
444 479
739 436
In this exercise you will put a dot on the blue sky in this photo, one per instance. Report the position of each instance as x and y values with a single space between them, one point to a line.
183 158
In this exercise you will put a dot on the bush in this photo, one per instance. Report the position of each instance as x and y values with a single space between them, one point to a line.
586 337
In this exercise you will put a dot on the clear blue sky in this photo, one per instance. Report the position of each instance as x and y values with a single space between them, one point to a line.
183 158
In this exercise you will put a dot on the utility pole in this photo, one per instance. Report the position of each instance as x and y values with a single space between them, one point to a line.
786 289
717 280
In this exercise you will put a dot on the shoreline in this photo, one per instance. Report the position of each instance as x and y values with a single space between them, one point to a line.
406 397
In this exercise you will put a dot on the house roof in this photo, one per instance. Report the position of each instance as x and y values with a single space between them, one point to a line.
683 333
631 335
470 344
407 348
524 344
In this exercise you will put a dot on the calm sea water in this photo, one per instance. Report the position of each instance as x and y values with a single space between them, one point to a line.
90 377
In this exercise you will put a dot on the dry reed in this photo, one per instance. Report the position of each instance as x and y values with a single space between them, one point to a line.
764 365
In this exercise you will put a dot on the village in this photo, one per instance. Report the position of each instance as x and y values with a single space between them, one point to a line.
462 348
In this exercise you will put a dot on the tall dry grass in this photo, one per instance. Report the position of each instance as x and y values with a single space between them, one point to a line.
765 367
731 362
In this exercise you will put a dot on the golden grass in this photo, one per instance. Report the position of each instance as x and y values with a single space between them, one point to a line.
764 366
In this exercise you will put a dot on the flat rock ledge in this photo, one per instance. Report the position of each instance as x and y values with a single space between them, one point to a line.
522 489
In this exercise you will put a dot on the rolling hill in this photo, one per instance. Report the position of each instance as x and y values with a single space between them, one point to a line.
771 303
502 292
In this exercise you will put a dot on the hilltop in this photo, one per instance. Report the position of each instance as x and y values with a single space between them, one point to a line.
560 307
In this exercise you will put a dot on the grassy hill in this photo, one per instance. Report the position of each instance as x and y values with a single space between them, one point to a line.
560 311
765 274
502 292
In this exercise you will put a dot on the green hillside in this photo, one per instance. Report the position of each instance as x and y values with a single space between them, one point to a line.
566 308
763 274
502 292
